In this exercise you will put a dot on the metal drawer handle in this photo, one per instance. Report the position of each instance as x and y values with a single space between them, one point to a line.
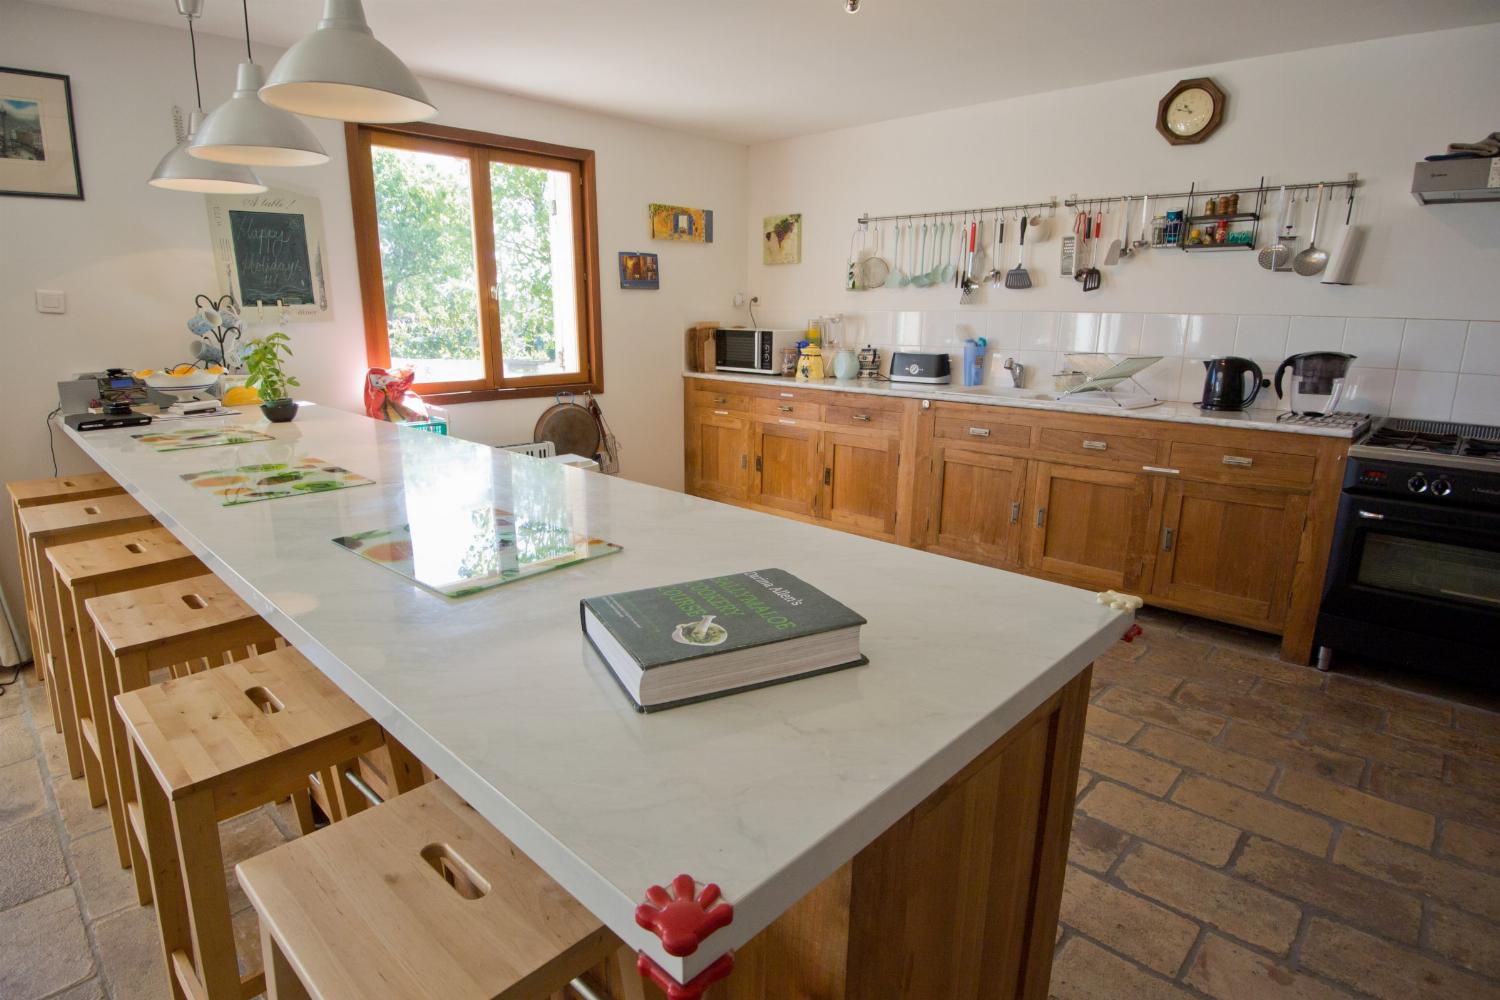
720 400
1166 540
784 409
1096 445
1041 516
1239 460
865 417
1161 469
722 413
1370 515
1015 511
827 476
979 432
784 420
786 395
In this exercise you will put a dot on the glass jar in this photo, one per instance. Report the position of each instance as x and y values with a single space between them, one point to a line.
1159 231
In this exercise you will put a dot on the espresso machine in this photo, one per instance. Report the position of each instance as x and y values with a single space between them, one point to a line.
1317 381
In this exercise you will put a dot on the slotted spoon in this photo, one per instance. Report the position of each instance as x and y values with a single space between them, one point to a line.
1275 256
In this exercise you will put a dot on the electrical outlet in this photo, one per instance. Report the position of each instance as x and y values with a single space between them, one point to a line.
739 300
50 301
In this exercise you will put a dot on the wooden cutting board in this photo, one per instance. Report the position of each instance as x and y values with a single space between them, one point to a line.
699 347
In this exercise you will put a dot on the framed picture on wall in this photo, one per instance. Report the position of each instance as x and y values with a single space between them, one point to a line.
38 143
639 270
268 252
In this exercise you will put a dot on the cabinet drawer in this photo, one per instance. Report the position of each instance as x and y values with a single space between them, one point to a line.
980 432
862 417
1096 448
1247 466
736 402
787 409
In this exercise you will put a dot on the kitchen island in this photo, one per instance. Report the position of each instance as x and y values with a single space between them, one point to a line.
899 829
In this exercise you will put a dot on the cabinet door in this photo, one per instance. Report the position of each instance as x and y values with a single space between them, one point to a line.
1229 551
1088 526
859 481
788 468
718 455
974 508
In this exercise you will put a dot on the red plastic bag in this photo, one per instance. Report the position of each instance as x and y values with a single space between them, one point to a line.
388 396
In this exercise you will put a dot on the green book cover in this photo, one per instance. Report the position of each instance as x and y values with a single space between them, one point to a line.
685 621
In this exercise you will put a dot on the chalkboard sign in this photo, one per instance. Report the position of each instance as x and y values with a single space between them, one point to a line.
271 257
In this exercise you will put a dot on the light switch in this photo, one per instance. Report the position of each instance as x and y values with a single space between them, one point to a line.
51 302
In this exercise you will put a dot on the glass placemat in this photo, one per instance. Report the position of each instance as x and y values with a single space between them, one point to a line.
488 548
199 437
271 480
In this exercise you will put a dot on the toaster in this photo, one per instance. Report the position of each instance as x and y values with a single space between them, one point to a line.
920 367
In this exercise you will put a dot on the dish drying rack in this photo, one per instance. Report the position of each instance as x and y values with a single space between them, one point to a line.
1106 381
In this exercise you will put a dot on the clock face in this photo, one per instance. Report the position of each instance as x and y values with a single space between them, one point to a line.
1190 111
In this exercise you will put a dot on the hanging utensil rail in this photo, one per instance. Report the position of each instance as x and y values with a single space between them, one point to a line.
865 220
1073 201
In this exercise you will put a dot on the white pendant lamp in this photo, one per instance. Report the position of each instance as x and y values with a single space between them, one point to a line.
341 71
245 130
178 171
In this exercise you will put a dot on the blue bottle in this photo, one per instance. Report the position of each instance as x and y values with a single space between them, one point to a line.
974 352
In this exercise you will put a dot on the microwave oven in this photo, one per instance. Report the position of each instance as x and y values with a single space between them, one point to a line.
756 351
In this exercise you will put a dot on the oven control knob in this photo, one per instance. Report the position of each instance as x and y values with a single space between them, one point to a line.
1417 483
1441 487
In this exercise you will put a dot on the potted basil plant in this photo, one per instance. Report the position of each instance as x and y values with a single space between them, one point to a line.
263 359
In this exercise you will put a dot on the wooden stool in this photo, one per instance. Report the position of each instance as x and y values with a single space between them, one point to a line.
185 626
40 493
82 571
207 748
58 524
419 897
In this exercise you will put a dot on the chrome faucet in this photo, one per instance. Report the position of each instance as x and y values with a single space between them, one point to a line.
1017 372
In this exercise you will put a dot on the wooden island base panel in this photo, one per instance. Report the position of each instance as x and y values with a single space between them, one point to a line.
1230 523
958 900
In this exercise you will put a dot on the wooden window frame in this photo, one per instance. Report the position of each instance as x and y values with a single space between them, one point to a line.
480 147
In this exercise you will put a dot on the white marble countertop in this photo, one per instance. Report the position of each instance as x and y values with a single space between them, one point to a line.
1035 399
766 792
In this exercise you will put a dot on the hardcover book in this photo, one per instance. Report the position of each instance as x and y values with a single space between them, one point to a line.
686 642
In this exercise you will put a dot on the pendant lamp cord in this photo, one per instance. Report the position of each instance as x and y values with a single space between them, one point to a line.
193 41
246 5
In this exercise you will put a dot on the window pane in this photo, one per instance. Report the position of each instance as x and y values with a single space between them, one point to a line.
533 211
424 207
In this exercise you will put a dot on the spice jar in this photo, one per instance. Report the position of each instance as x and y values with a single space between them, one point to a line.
1210 207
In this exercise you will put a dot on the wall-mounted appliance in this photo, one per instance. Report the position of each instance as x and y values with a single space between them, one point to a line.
1438 182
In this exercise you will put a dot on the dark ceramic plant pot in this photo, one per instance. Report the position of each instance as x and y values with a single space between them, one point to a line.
279 411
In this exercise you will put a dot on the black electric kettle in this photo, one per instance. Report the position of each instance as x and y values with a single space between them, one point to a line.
1224 386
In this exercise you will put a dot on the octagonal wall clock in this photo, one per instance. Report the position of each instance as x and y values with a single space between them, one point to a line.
1191 112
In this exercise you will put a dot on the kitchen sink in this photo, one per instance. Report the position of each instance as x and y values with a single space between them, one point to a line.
990 390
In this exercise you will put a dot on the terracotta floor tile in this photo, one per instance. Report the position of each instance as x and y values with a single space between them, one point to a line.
1472 942
1111 673
1162 823
1403 823
1205 758
1240 707
1267 667
1137 928
1478 720
1453 802
1146 708
1418 871
1255 813
1458 741
1469 844
1355 898
1111 725
1384 970
1295 753
1211 897
1129 767
1085 971
1321 705
1095 844
1226 971
1085 778
1383 696
1386 749
1473 774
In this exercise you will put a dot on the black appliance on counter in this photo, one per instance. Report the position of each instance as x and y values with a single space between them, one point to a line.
1414 574
1224 383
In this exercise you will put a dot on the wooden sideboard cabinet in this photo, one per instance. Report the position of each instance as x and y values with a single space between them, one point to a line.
1228 523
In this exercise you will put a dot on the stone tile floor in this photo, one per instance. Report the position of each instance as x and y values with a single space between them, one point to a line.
1246 830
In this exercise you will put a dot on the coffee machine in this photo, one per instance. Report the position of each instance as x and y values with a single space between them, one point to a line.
1317 381
1224 385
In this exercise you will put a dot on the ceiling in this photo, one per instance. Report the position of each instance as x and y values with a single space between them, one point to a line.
755 70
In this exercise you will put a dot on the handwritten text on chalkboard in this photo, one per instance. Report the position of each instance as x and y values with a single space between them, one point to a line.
271 257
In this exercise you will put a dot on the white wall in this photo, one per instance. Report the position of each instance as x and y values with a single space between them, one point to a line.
131 257
1373 108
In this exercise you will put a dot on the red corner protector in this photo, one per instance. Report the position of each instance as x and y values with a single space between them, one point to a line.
1131 633
681 919
693 990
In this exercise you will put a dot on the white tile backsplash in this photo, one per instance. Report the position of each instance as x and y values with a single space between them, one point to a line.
1433 345
1391 376
1482 350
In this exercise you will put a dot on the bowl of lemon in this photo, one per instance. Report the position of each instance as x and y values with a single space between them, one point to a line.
184 381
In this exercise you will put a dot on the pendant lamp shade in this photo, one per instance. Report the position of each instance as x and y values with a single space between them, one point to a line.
245 130
178 171
341 71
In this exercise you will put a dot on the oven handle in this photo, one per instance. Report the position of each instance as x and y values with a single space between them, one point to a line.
1370 515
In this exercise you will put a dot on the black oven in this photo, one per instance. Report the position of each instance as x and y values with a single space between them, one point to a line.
1414 578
